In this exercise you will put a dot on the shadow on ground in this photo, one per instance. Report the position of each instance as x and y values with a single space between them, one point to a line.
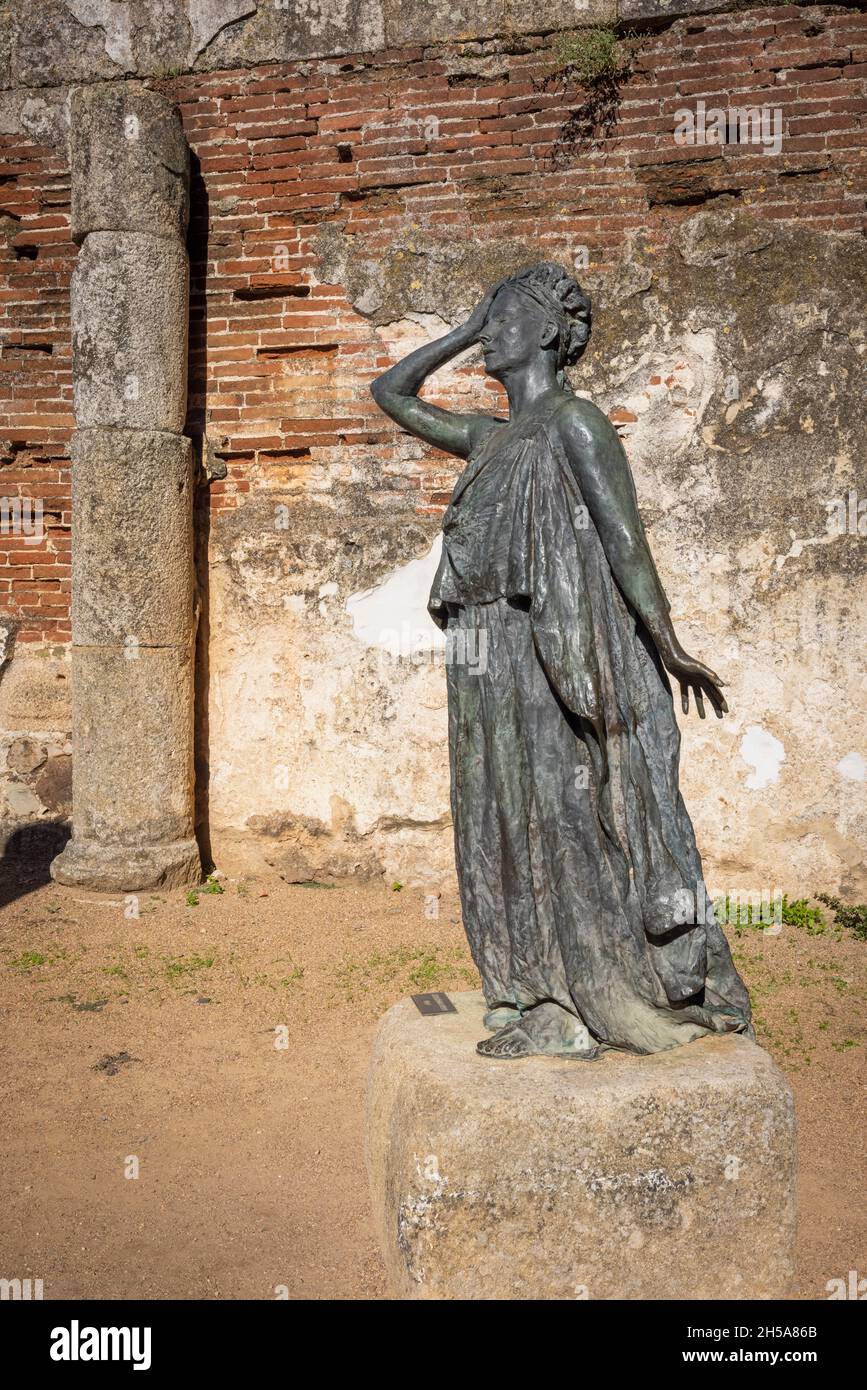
26 861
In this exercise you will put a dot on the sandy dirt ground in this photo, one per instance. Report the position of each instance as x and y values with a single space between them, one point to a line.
158 1040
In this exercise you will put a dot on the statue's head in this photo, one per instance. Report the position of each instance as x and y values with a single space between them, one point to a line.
538 310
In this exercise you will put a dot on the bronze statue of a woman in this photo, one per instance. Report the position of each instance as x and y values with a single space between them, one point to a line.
575 852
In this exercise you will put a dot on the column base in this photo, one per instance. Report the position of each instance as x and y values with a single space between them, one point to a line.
122 868
662 1177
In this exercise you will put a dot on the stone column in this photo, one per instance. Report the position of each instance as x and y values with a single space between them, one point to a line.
133 586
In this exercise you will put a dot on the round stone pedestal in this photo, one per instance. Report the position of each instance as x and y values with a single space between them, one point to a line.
663 1177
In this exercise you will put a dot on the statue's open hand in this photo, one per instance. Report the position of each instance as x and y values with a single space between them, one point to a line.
701 680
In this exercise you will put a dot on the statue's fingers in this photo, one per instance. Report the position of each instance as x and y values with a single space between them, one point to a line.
717 699
704 673
699 701
684 697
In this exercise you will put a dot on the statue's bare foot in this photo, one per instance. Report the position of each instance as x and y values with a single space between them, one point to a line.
730 1021
511 1041
547 1030
498 1017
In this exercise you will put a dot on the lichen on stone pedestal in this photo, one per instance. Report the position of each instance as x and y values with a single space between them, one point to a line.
663 1177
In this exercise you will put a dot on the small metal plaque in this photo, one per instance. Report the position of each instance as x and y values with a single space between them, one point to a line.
433 1004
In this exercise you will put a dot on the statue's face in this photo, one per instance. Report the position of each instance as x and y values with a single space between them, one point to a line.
514 332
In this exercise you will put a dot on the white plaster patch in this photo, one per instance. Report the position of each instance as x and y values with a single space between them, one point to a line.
764 753
393 615
853 767
800 544
406 334
773 392
668 391
116 24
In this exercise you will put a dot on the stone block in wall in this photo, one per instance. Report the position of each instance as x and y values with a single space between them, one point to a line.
129 161
40 113
50 46
673 9
523 17
132 735
129 332
97 40
227 33
34 691
132 507
442 21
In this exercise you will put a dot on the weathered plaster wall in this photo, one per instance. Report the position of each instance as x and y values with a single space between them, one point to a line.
740 392
736 392
348 206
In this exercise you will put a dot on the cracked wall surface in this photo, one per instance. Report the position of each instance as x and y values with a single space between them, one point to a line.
350 206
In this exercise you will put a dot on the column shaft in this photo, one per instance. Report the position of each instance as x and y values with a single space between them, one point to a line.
133 581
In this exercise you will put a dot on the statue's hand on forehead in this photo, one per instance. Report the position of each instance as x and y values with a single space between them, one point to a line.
476 321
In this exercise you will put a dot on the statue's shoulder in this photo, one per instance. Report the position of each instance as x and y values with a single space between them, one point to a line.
582 423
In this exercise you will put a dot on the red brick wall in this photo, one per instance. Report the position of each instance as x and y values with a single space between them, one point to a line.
283 149
36 261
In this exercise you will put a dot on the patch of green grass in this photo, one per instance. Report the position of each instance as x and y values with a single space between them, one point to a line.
852 918
593 55
800 914
793 913
117 970
178 966
431 968
212 885
429 972
28 960
192 898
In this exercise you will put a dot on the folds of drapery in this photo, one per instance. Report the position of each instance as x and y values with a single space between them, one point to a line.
517 528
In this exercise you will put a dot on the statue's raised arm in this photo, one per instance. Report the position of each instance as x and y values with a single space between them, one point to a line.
396 391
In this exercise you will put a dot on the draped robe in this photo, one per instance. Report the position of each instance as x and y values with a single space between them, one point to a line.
575 853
